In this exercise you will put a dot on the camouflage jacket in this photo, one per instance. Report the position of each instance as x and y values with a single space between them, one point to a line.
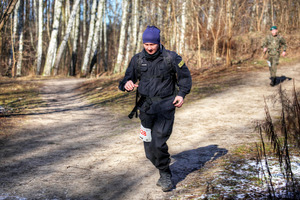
274 44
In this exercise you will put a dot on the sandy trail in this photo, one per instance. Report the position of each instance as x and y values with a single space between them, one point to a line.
72 150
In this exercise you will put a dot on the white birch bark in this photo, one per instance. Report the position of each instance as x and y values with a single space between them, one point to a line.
183 27
135 24
120 55
90 38
253 17
63 44
11 61
98 29
211 13
35 11
21 41
160 14
129 40
40 38
75 41
105 40
84 24
141 29
53 41
15 27
266 16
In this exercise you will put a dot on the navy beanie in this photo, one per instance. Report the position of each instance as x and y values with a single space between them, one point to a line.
151 35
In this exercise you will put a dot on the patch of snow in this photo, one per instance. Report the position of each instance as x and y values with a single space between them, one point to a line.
6 196
2 109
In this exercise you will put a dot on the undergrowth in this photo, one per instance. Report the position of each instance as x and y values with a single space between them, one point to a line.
17 96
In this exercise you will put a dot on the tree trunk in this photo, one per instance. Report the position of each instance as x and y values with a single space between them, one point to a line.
14 27
90 38
272 12
76 31
53 41
63 44
120 55
259 16
84 25
160 15
105 40
141 28
211 13
198 31
97 32
135 24
21 35
174 35
266 17
183 27
229 32
253 18
40 38
7 12
35 11
128 49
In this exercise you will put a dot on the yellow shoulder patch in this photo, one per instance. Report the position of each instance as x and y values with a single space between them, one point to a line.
181 64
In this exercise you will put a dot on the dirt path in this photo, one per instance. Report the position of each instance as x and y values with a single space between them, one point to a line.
72 150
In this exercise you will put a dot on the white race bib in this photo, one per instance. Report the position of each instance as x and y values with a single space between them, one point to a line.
145 134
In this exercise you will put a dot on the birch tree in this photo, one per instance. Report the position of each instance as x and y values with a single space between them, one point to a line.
40 38
211 12
140 30
120 55
90 39
63 44
35 14
160 15
75 41
53 41
229 31
259 13
7 12
105 40
135 24
21 37
12 58
183 27
127 51
84 24
266 16
98 31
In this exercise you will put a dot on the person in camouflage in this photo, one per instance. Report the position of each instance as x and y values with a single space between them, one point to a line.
272 44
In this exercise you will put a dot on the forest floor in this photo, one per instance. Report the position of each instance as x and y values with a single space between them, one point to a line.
71 148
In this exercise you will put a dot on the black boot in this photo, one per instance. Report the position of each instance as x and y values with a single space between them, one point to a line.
165 181
272 81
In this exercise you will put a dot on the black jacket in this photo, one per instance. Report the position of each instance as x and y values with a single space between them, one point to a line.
156 77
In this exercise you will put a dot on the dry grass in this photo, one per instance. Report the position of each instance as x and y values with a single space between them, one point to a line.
17 97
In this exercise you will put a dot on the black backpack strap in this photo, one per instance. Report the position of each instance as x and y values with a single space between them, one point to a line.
138 100
139 64
168 62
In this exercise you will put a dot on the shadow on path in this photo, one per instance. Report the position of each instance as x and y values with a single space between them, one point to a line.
192 160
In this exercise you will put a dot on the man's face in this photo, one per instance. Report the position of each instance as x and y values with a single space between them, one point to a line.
274 32
151 48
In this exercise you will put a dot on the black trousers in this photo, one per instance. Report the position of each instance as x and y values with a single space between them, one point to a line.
161 125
